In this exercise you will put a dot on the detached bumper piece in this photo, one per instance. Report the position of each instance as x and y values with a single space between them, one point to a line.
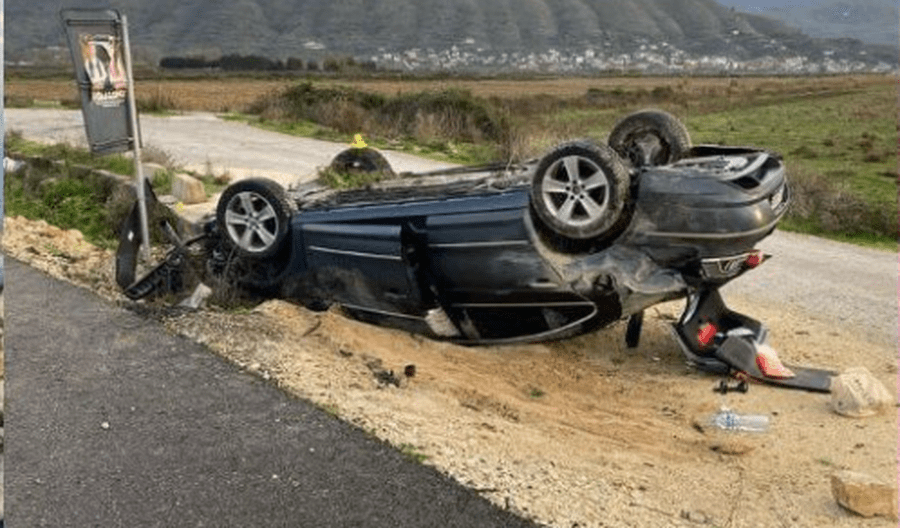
166 277
722 341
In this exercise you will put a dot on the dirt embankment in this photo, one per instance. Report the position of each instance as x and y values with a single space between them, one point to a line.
583 432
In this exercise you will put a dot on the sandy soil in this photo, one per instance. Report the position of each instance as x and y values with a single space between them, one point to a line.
583 432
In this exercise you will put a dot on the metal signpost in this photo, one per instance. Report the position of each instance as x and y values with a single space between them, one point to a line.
98 41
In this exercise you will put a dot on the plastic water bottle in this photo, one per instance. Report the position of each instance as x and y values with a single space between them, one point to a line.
728 420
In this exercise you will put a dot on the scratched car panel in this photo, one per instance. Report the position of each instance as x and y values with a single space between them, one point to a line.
589 234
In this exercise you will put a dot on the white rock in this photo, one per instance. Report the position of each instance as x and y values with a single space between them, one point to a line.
12 165
167 199
187 189
864 495
857 393
196 300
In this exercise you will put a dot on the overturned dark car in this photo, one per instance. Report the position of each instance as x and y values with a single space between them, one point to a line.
587 235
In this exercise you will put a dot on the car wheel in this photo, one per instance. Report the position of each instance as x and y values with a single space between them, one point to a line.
649 138
579 191
254 216
361 160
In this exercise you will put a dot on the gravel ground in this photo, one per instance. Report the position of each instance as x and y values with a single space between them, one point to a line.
585 432
582 432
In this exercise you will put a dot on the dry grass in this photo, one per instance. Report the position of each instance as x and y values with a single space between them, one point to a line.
214 95
566 87
431 118
828 206
234 95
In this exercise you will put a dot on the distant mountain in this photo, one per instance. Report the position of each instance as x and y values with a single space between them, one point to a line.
871 21
651 35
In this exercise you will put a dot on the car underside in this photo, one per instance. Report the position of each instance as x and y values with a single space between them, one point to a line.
585 236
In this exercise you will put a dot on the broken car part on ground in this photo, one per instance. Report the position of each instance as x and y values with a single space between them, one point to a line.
583 237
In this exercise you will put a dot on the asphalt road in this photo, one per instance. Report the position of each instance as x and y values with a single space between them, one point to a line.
112 422
840 283
836 282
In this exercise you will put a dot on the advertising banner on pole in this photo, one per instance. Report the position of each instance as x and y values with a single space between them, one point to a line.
98 40
95 38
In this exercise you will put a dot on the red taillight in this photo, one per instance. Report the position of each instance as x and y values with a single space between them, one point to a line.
706 334
754 259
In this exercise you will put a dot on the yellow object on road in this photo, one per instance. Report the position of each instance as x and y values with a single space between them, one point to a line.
358 142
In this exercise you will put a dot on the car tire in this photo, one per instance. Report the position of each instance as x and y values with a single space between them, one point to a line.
361 160
650 138
579 191
254 216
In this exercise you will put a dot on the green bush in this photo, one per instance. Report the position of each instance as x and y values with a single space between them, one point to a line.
820 205
64 201
427 117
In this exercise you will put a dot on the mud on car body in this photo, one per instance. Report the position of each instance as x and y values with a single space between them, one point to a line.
587 235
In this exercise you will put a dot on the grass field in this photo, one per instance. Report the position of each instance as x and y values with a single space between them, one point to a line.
838 134
236 94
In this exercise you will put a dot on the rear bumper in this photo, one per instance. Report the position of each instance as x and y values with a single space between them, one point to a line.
691 211
719 340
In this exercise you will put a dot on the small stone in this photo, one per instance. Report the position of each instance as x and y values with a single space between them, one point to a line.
12 165
188 189
857 393
512 507
198 298
104 425
167 199
864 495
698 516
